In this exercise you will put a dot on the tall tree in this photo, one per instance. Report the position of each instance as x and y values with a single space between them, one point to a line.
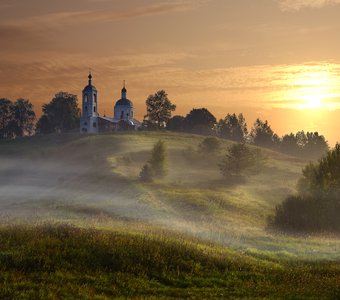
233 127
200 120
24 117
176 123
6 117
158 108
263 135
60 115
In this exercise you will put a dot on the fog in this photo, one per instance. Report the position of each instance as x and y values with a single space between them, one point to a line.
94 192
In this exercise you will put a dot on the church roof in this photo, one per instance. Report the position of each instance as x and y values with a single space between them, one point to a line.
124 102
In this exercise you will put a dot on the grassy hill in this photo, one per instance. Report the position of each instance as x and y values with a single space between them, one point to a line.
193 234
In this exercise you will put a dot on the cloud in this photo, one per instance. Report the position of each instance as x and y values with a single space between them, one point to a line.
296 5
107 15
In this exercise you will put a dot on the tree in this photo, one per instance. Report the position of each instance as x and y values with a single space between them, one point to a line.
24 117
289 145
159 109
233 127
16 119
146 174
6 117
200 121
176 123
316 207
158 159
240 159
262 134
60 115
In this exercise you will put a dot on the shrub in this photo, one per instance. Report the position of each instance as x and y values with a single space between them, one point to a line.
241 159
146 174
209 145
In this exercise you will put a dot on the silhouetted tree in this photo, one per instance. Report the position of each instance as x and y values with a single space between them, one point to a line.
6 117
60 115
23 117
200 121
16 119
176 123
262 134
233 127
158 108
289 145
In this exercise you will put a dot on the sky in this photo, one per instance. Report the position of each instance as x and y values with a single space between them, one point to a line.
274 59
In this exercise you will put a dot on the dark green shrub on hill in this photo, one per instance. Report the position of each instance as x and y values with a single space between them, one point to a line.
209 145
157 165
317 206
241 159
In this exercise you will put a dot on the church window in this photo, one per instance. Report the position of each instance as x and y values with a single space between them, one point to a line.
86 108
85 124
94 109
122 115
94 124
95 98
85 98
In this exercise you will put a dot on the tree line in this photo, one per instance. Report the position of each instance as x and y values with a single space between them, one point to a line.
62 114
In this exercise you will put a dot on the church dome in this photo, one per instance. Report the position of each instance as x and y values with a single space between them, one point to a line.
124 102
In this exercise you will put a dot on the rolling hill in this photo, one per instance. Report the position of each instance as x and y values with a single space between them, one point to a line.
74 214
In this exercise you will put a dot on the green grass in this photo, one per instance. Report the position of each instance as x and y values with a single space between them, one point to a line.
59 261
193 234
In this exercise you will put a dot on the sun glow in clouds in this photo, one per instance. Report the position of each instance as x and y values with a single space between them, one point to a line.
313 89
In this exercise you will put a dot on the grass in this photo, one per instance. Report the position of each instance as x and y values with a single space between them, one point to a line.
190 235
59 261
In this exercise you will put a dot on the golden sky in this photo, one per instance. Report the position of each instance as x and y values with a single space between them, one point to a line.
274 59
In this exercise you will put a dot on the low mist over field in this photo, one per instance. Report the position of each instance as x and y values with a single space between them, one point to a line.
94 181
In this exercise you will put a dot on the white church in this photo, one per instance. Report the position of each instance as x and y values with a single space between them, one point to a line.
92 122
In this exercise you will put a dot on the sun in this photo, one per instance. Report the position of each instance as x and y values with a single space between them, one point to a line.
310 89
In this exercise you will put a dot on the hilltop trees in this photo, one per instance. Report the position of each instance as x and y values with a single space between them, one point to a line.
16 119
262 134
60 115
200 121
159 108
233 127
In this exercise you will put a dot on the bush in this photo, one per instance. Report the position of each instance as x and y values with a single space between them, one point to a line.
317 206
241 159
209 145
146 174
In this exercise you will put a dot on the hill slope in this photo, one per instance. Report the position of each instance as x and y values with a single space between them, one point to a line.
92 182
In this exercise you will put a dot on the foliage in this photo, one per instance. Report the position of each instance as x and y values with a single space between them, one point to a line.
317 206
147 173
309 145
262 134
176 123
240 159
209 145
159 109
60 115
16 119
200 121
233 127
158 161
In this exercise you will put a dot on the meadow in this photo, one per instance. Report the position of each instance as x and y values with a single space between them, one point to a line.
77 223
